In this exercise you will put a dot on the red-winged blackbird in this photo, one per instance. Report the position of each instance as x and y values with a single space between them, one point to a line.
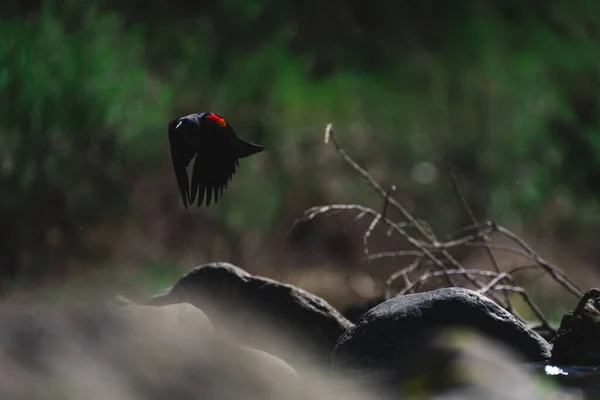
217 149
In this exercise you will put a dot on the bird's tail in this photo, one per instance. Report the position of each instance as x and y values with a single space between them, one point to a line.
246 149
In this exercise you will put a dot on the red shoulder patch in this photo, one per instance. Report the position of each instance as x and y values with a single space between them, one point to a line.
216 119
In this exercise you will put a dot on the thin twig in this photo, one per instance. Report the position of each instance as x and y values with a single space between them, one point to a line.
435 274
488 227
386 202
500 247
329 134
397 228
552 270
404 273
367 234
506 275
375 222
392 254
536 310
474 220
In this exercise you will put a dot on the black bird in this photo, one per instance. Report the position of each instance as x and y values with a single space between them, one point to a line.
217 149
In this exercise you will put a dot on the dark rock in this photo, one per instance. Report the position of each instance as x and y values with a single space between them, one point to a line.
235 300
576 342
356 310
475 367
547 332
462 364
385 335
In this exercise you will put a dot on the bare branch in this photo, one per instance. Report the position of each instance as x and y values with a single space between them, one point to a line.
329 134
557 274
367 234
474 220
375 222
404 273
429 236
392 254
523 293
430 252
499 247
435 274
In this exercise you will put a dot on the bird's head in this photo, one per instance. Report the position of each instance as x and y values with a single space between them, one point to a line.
175 124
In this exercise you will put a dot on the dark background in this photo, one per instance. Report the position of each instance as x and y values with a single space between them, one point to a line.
506 90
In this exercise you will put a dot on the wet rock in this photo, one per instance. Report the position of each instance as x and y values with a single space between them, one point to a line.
586 380
238 302
462 364
576 342
384 336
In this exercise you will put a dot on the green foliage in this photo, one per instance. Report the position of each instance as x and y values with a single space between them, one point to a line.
78 105
507 91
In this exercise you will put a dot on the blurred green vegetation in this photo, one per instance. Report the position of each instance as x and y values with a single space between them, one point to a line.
507 91
78 106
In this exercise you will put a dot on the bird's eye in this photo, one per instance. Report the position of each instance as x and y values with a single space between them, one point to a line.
220 122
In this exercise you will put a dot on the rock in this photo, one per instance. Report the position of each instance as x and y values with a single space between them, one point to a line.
133 353
181 317
576 342
272 365
547 332
236 301
462 364
459 363
384 336
356 310
164 353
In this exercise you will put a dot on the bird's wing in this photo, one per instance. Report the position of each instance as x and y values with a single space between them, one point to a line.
214 167
181 155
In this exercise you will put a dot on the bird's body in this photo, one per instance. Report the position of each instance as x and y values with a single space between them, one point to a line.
217 149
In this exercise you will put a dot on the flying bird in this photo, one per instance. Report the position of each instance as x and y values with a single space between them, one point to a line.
217 149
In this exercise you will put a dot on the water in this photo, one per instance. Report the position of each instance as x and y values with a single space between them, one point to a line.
586 378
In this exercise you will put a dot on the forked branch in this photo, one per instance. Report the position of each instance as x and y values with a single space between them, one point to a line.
428 252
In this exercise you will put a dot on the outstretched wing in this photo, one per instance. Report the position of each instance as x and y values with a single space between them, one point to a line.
214 167
181 155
